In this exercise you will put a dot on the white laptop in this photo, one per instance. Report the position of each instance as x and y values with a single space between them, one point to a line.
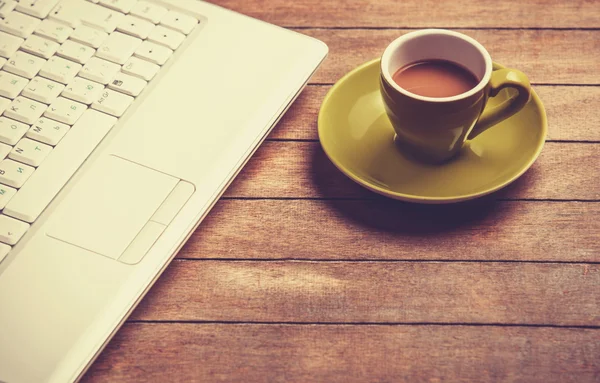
122 122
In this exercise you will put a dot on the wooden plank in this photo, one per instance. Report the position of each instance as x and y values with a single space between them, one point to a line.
571 110
376 292
385 230
301 169
423 13
546 56
292 353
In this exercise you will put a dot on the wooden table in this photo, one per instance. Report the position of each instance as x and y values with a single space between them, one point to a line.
299 275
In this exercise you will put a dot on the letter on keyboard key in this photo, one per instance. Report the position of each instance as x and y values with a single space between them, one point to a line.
4 103
119 5
11 85
118 47
148 11
153 52
167 37
140 68
40 46
11 230
6 193
59 166
30 152
75 51
65 110
11 131
60 69
38 8
9 44
4 151
89 36
42 90
14 173
83 90
179 22
47 131
113 103
99 70
25 110
53 30
135 26
6 7
24 65
19 24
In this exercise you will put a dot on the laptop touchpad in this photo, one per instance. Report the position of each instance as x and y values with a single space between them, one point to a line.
107 209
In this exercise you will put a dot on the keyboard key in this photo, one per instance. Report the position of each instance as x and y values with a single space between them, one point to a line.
4 103
83 90
2 59
113 103
76 52
118 47
153 52
48 131
9 44
53 30
24 64
89 36
4 248
4 151
167 37
135 26
6 7
99 70
40 46
119 5
179 22
11 131
36 8
11 85
75 12
42 90
11 230
30 152
148 11
60 69
14 173
65 110
25 110
127 84
59 166
6 193
140 68
19 24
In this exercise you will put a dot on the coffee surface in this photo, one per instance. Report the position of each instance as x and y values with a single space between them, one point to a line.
435 78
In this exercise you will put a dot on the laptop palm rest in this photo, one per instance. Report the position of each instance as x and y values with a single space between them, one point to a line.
119 209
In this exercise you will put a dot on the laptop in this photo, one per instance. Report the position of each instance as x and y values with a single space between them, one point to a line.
122 123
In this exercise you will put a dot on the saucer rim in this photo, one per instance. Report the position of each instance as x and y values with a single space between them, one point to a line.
412 197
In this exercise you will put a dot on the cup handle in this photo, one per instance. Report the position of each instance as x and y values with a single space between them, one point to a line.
503 78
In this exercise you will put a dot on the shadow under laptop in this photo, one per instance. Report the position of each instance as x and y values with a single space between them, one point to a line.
373 211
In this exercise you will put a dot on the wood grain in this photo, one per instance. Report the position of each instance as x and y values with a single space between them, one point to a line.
292 353
379 292
422 14
301 170
546 56
572 113
386 230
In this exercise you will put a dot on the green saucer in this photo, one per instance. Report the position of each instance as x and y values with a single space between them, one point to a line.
359 139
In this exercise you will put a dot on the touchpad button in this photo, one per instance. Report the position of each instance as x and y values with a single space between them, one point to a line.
107 209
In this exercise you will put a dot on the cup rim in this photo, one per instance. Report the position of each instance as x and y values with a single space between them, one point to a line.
387 55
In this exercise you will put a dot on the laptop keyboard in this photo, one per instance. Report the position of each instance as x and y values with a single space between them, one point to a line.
69 69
